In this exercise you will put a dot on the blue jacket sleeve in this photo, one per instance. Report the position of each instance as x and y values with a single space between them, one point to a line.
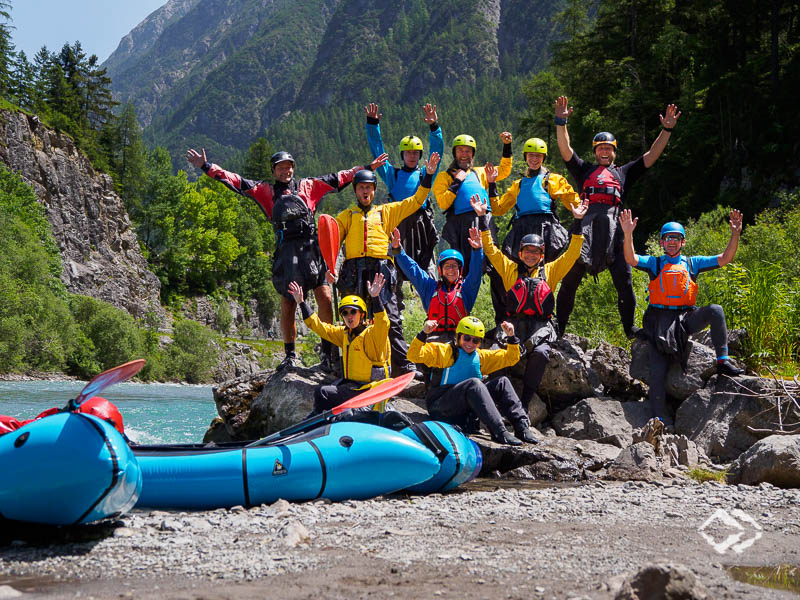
436 144
375 142
472 283
422 282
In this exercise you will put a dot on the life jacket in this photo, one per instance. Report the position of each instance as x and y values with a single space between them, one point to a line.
469 187
674 286
291 217
603 186
531 296
447 307
465 366
357 365
533 197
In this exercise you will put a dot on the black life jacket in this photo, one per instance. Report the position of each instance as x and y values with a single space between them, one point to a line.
531 296
603 185
291 217
447 307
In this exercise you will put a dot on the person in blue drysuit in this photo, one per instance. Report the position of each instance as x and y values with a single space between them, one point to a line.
418 231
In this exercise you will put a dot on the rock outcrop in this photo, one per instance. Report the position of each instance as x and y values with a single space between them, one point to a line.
99 249
775 460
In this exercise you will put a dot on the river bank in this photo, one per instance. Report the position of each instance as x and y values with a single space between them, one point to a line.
531 541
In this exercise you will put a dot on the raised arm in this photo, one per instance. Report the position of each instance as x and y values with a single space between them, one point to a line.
668 121
375 141
563 111
733 244
628 224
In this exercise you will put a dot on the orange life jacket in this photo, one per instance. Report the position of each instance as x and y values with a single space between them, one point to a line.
674 286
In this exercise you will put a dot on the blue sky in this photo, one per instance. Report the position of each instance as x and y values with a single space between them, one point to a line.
97 24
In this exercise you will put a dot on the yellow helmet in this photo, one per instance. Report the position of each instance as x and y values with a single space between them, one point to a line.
471 326
535 145
410 142
465 140
353 301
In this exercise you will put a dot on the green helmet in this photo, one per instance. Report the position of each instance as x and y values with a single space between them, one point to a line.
410 142
471 325
465 140
535 145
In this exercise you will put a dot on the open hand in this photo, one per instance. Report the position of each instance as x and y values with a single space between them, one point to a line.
736 221
580 211
429 326
396 238
379 162
433 163
296 291
626 221
491 172
195 158
508 328
562 108
475 238
671 117
376 286
430 114
372 111
478 206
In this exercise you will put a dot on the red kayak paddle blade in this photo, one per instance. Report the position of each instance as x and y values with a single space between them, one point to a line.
109 378
329 240
382 391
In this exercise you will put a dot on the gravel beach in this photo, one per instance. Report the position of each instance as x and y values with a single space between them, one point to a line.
493 539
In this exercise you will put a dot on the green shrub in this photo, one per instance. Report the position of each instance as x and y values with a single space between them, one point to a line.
194 352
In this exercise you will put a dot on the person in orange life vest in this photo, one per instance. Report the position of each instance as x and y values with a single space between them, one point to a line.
452 297
365 348
605 185
289 204
364 229
529 282
457 391
418 230
671 315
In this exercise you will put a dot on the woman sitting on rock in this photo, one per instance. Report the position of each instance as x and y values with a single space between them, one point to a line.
365 348
457 389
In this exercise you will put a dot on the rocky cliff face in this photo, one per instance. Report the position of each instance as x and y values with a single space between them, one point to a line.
99 248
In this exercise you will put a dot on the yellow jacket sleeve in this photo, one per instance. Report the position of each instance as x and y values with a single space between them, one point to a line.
431 354
507 201
554 272
333 333
344 223
560 189
494 360
444 197
376 337
506 267
395 212
503 169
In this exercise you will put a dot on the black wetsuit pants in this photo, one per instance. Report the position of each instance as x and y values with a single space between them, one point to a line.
623 282
490 401
327 397
535 362
694 321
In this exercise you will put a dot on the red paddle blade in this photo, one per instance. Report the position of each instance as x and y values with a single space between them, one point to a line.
108 378
329 240
382 391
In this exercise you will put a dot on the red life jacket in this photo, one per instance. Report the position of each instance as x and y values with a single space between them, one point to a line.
531 296
603 186
447 306
674 286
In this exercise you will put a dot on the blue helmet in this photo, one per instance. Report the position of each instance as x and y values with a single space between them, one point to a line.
450 255
672 227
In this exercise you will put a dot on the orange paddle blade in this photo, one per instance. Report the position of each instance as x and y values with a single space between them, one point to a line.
382 391
107 378
329 240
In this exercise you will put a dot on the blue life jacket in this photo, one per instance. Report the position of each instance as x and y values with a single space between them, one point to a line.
405 185
533 198
465 367
469 187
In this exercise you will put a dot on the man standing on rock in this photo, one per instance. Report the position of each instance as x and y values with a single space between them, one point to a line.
604 185
365 348
290 205
671 315
364 230
418 231
457 390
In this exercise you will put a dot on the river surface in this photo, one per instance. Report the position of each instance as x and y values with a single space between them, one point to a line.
153 413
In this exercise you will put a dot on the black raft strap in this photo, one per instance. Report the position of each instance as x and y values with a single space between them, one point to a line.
430 441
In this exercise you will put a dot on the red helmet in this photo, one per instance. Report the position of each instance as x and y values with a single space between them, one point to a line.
103 409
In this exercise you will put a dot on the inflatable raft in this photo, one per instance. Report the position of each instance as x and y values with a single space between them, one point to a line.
339 461
67 468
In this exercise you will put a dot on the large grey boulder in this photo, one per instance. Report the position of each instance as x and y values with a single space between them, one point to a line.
603 420
665 582
636 462
775 460
568 376
236 360
612 365
721 417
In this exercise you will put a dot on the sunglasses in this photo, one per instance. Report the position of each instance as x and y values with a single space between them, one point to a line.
346 312
471 338
672 238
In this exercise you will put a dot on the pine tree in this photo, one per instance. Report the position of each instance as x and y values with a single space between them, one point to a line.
6 50
24 80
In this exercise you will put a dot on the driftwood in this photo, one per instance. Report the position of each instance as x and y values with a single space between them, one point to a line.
786 406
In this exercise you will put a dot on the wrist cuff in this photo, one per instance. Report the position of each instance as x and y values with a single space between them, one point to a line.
377 305
492 189
396 251
483 222
506 150
206 166
422 336
560 121
434 126
427 180
514 340
305 310
373 120
668 129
